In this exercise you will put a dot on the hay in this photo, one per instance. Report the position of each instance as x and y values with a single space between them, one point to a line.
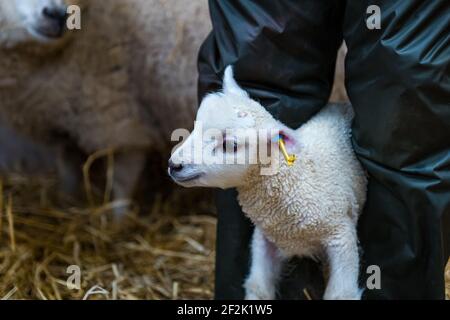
167 253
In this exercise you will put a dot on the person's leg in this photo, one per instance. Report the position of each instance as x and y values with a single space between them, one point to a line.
234 232
397 80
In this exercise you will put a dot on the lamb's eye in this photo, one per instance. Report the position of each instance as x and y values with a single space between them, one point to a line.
229 144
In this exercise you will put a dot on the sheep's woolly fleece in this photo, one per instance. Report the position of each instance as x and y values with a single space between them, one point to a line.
310 201
126 79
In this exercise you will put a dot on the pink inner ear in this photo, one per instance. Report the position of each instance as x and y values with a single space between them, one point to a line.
288 140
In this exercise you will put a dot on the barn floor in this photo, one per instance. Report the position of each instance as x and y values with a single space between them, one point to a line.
165 254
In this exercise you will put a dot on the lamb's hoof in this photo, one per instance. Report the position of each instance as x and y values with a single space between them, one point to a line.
343 295
256 291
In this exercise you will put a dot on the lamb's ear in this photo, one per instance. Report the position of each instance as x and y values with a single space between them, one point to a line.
230 85
285 133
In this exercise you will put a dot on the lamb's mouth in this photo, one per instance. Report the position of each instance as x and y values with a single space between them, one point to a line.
184 179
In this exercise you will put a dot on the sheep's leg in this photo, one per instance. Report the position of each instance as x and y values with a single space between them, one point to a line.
343 258
69 174
266 263
128 167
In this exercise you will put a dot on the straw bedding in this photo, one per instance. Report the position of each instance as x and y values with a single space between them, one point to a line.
166 253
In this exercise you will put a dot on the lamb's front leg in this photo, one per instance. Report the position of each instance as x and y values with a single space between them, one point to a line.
343 258
266 263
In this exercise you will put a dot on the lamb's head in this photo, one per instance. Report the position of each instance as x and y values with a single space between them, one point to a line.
33 21
233 135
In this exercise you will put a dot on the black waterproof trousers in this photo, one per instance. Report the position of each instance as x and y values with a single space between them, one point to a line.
284 54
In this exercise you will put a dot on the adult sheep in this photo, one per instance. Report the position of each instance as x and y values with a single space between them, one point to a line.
125 81
308 207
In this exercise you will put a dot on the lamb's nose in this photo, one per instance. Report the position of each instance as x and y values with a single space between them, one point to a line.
175 167
57 14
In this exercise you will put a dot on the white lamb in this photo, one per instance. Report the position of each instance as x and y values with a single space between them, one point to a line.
308 209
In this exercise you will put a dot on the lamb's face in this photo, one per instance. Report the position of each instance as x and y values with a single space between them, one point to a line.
209 156
38 21
218 151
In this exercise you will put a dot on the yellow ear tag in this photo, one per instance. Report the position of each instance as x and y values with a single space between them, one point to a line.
290 159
